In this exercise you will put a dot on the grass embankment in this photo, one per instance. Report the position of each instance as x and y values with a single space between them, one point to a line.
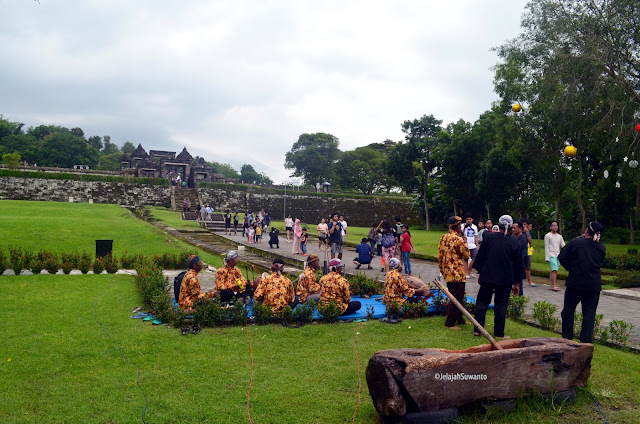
65 227
58 366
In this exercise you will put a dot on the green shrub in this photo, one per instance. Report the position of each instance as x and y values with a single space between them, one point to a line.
440 302
18 259
304 312
38 263
627 279
51 262
162 307
239 314
66 267
285 316
414 310
543 312
128 261
263 314
516 306
619 331
84 263
3 261
394 309
110 264
209 313
577 323
329 311
361 285
98 265
150 281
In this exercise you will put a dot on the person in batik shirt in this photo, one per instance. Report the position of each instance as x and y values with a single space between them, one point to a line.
396 287
452 255
334 286
190 290
308 287
229 280
276 290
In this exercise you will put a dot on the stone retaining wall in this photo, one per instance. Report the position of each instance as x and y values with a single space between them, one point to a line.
12 188
360 212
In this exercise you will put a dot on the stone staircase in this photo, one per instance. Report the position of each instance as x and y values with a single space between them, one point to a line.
179 194
216 224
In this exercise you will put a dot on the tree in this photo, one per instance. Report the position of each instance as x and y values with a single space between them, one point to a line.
225 169
65 150
362 169
128 147
313 157
96 142
249 175
109 147
578 62
24 144
11 160
421 136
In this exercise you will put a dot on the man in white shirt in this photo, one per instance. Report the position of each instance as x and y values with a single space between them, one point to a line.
344 228
553 242
471 233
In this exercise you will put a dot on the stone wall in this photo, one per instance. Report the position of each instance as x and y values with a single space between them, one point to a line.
358 211
12 188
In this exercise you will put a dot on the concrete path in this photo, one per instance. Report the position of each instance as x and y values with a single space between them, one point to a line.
622 304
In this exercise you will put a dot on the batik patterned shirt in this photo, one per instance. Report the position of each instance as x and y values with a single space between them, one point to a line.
335 287
226 278
190 291
452 252
275 291
394 287
307 284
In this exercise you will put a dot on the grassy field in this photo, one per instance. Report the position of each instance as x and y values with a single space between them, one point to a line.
58 365
60 360
65 227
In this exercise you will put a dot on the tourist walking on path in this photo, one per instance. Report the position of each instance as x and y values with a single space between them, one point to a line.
452 255
288 226
227 222
344 229
297 233
553 242
236 221
527 227
471 233
335 236
497 257
521 240
323 232
388 243
582 257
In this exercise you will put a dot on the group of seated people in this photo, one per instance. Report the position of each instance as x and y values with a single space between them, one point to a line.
277 291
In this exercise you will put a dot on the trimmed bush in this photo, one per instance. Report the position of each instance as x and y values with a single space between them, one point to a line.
516 306
543 312
329 311
98 265
361 285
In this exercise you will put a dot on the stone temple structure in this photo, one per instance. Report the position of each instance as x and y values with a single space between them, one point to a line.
164 164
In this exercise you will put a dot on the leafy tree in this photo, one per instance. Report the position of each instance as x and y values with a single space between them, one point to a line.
128 147
65 150
24 144
110 162
422 139
225 169
42 131
77 132
96 142
109 147
249 175
362 169
11 160
9 128
313 157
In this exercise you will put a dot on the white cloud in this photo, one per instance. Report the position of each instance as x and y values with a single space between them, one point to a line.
239 81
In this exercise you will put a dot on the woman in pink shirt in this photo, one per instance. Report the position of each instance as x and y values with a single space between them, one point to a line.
323 232
297 232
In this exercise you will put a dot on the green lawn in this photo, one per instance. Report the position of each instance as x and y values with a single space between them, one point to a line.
65 227
58 366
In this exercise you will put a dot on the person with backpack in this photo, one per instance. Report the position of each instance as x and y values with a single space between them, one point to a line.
372 237
190 291
388 243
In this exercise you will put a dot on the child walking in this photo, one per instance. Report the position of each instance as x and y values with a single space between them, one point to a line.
303 241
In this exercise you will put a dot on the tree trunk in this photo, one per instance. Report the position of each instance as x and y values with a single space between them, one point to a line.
631 235
583 213
425 188
595 210
455 207
556 212
486 204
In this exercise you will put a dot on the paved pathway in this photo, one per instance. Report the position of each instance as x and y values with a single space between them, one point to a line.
614 304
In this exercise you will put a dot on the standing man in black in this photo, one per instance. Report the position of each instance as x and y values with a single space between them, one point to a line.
335 236
582 257
498 255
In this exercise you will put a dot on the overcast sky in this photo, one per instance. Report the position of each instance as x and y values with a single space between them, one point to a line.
239 81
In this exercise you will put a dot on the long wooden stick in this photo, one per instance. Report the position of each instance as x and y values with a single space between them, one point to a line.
467 314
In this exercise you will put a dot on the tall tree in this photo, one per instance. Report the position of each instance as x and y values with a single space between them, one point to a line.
65 150
128 147
313 157
362 169
225 169
422 138
95 141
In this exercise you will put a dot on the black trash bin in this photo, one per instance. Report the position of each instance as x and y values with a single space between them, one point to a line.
103 248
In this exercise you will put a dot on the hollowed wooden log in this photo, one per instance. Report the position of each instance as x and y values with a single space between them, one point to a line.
413 380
